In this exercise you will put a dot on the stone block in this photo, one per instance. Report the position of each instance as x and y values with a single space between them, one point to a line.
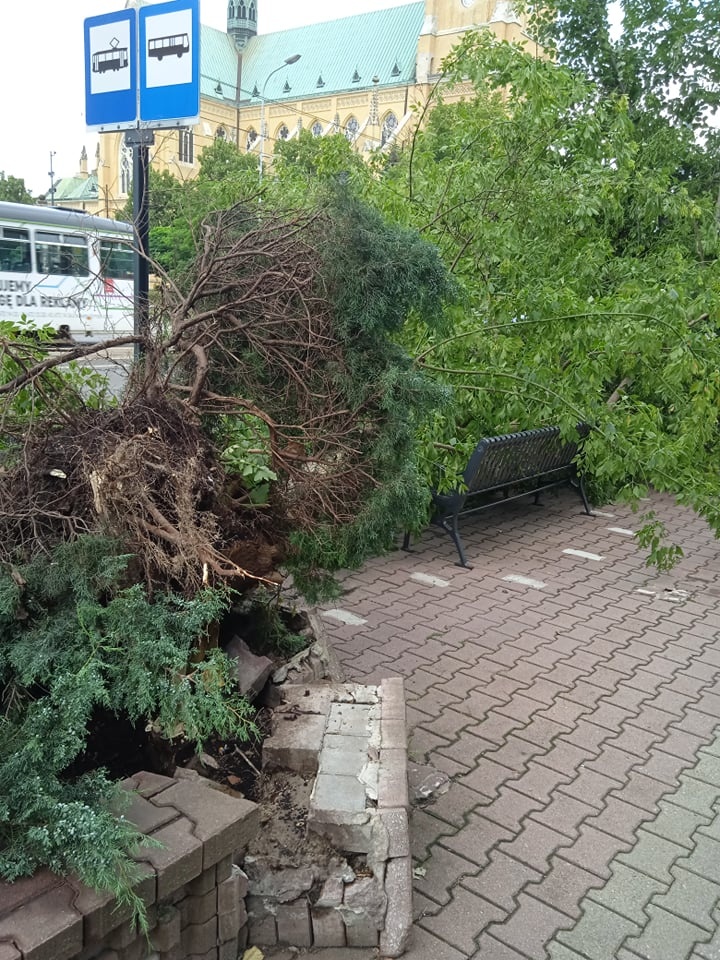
295 743
229 950
101 912
395 821
351 719
392 699
242 914
252 671
262 933
148 784
257 908
122 937
228 895
361 933
348 837
221 822
364 898
25 889
242 881
341 794
136 950
393 735
328 927
200 937
393 787
166 933
331 894
342 763
229 924
338 741
8 952
282 886
47 927
180 858
293 923
198 909
398 916
305 698
224 868
202 884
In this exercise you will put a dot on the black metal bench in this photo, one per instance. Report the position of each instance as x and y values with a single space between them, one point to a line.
506 468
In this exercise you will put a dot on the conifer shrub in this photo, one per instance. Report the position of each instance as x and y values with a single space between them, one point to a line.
77 636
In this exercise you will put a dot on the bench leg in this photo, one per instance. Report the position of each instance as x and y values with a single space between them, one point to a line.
452 529
583 494
406 542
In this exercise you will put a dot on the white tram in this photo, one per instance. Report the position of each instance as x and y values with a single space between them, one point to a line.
66 269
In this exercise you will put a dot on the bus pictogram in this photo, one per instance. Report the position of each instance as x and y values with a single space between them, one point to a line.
178 44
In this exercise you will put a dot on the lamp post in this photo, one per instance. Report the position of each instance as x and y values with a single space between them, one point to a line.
51 174
286 63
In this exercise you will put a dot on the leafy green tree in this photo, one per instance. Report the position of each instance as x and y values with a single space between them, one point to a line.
13 189
589 270
659 54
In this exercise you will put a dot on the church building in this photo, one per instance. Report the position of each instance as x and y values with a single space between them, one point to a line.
360 76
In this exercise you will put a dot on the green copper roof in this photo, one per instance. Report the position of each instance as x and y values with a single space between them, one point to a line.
77 188
344 54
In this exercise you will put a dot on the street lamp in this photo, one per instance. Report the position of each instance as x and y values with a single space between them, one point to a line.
290 60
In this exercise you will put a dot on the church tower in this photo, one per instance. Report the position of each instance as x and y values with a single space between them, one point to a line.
242 21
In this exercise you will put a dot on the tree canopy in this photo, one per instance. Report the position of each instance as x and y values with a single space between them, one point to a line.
13 189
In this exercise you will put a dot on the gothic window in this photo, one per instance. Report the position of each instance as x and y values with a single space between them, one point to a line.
389 126
252 12
231 11
186 146
283 133
317 129
352 125
221 133
251 138
125 169
242 11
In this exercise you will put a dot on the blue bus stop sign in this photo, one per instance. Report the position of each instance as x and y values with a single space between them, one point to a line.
111 70
169 35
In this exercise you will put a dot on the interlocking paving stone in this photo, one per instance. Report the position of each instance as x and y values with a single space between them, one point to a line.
594 850
666 937
502 880
531 927
599 933
463 920
564 886
691 897
578 725
628 892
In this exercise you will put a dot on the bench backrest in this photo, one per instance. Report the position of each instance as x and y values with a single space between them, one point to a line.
514 457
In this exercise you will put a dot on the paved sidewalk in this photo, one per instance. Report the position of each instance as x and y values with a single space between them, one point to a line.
576 709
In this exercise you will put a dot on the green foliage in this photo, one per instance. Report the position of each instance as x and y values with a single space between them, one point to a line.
70 387
586 250
14 190
76 638
245 453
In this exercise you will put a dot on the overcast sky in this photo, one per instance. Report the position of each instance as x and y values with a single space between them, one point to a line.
42 80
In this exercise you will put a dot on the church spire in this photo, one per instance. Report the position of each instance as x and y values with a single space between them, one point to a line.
242 21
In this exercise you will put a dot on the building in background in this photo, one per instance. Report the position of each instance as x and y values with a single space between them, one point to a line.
360 76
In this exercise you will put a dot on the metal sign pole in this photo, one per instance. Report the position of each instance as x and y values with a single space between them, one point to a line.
141 141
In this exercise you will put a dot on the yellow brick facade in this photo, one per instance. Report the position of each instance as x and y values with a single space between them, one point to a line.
372 117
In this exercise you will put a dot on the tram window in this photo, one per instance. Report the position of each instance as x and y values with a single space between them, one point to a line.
15 250
116 260
63 254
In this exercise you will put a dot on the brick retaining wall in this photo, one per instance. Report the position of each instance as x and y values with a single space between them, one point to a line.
194 894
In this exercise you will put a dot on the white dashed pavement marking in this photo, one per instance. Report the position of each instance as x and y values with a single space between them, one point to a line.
599 513
344 616
623 530
429 580
648 593
583 554
525 581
